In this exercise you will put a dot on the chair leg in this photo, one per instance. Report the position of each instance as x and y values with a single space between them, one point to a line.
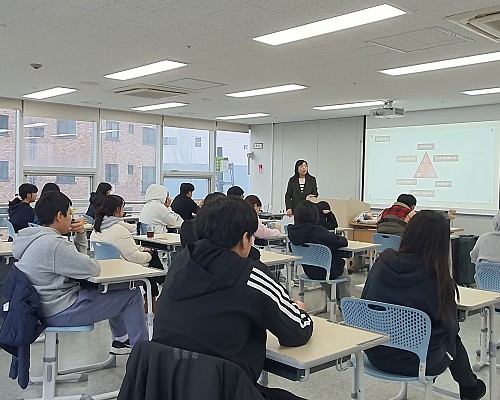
49 365
428 390
333 302
301 290
403 392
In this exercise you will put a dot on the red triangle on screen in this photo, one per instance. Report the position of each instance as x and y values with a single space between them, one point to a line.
425 168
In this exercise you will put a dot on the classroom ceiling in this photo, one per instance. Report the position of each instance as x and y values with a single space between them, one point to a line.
80 41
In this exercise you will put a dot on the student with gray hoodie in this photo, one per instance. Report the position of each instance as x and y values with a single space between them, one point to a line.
157 212
53 265
487 248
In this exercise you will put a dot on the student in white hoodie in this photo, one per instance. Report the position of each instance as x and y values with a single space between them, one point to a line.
487 248
53 265
157 212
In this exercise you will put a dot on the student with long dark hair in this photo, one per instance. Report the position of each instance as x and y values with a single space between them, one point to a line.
96 198
300 186
418 276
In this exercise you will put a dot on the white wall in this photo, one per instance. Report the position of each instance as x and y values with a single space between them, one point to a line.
332 148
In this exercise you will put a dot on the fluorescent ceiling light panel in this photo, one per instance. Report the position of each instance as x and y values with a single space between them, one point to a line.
350 105
35 125
243 116
159 106
149 69
437 65
275 89
44 94
341 22
478 92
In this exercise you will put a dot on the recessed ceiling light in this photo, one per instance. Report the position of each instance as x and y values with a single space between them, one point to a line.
350 105
243 116
275 89
350 20
57 91
159 106
437 65
35 125
482 91
144 70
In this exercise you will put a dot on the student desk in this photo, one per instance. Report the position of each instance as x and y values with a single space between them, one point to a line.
269 215
121 271
329 343
275 239
6 250
165 242
341 231
355 247
271 258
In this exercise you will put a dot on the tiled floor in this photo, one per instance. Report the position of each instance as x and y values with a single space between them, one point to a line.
80 348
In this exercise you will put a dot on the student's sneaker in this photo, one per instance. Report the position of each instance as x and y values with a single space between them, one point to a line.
473 393
120 348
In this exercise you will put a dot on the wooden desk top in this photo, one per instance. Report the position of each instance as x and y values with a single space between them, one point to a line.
170 239
281 236
363 225
123 270
329 342
354 246
271 258
5 249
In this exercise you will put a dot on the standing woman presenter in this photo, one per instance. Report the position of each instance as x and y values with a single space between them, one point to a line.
302 186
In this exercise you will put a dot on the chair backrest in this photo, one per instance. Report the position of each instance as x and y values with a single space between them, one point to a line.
89 219
314 254
10 228
488 276
143 228
386 241
408 328
105 251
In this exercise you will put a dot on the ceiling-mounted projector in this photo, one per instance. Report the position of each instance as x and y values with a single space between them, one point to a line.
387 111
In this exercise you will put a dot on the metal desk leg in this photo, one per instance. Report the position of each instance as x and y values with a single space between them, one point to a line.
263 378
492 354
150 315
288 276
359 372
484 342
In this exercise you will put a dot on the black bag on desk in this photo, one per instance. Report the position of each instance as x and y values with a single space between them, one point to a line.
463 269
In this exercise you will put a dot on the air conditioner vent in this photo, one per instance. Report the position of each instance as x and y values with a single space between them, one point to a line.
151 91
485 22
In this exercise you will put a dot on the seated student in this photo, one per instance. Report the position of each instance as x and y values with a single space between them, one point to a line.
263 232
103 190
306 230
20 211
157 212
218 302
48 187
326 216
183 204
235 191
52 264
487 247
418 276
393 220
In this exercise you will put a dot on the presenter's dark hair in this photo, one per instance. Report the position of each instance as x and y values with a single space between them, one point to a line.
224 221
306 213
407 199
25 189
186 188
235 191
107 208
49 205
427 238
298 163
50 187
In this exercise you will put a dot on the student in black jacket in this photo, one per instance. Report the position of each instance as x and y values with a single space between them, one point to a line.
300 186
216 301
183 204
418 276
95 200
306 230
326 216
20 211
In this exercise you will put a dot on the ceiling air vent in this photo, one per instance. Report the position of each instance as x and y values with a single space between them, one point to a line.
485 22
151 91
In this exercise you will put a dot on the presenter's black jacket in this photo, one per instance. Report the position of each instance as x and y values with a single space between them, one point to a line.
217 303
312 233
399 279
20 214
293 195
184 206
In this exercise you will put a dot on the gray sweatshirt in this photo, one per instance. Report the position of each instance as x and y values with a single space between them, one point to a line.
52 263
487 248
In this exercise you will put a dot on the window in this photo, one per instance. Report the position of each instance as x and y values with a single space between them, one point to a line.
36 131
231 145
197 142
130 169
112 130
149 136
201 186
148 177
66 180
66 128
131 129
111 173
4 125
170 141
4 171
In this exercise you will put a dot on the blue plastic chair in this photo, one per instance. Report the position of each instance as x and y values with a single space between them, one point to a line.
10 229
386 241
143 228
105 251
488 276
408 328
318 255
89 219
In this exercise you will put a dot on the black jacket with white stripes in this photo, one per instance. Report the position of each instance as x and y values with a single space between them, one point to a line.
217 303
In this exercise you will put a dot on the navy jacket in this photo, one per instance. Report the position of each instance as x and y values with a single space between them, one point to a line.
21 324
184 206
20 214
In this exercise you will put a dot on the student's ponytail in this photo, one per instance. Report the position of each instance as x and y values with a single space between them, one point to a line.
107 207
